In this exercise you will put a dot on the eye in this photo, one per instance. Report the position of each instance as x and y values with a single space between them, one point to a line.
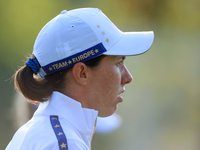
120 63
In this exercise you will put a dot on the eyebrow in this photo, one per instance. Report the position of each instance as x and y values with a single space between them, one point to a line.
122 57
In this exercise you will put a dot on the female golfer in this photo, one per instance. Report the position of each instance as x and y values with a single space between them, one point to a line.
76 73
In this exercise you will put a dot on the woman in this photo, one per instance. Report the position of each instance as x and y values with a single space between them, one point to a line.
76 73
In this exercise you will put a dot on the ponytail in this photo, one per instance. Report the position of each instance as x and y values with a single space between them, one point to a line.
32 88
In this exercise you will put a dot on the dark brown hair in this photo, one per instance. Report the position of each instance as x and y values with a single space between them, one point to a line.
39 90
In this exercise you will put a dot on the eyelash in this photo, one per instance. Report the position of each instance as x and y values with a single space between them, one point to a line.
120 63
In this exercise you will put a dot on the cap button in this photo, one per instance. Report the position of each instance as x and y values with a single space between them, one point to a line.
64 12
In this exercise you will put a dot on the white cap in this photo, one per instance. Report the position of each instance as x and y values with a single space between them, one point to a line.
82 34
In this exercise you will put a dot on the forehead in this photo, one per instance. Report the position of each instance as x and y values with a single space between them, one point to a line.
115 57
111 60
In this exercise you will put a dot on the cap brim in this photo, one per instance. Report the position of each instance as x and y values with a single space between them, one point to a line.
132 43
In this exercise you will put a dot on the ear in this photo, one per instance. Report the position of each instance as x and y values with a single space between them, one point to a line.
80 73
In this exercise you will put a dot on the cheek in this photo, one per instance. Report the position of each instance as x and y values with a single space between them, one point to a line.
106 84
111 82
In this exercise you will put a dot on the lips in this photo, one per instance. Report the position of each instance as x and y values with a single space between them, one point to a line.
122 91
120 98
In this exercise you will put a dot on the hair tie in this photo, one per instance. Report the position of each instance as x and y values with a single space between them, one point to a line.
34 65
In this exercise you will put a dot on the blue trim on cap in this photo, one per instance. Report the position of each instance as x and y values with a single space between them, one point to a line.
60 135
72 60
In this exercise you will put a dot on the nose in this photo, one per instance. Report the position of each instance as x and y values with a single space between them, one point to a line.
126 76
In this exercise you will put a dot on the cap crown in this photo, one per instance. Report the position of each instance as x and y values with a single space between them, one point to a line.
72 32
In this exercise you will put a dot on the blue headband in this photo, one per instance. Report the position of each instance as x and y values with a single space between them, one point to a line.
34 65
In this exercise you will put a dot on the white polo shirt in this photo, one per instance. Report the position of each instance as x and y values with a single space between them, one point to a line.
58 124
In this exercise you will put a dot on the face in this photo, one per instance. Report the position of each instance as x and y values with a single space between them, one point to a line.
107 82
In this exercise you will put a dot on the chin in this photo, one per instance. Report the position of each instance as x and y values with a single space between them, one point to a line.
106 114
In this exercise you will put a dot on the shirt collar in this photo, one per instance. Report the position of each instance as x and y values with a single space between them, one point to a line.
83 119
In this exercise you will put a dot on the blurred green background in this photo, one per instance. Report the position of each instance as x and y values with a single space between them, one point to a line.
161 108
